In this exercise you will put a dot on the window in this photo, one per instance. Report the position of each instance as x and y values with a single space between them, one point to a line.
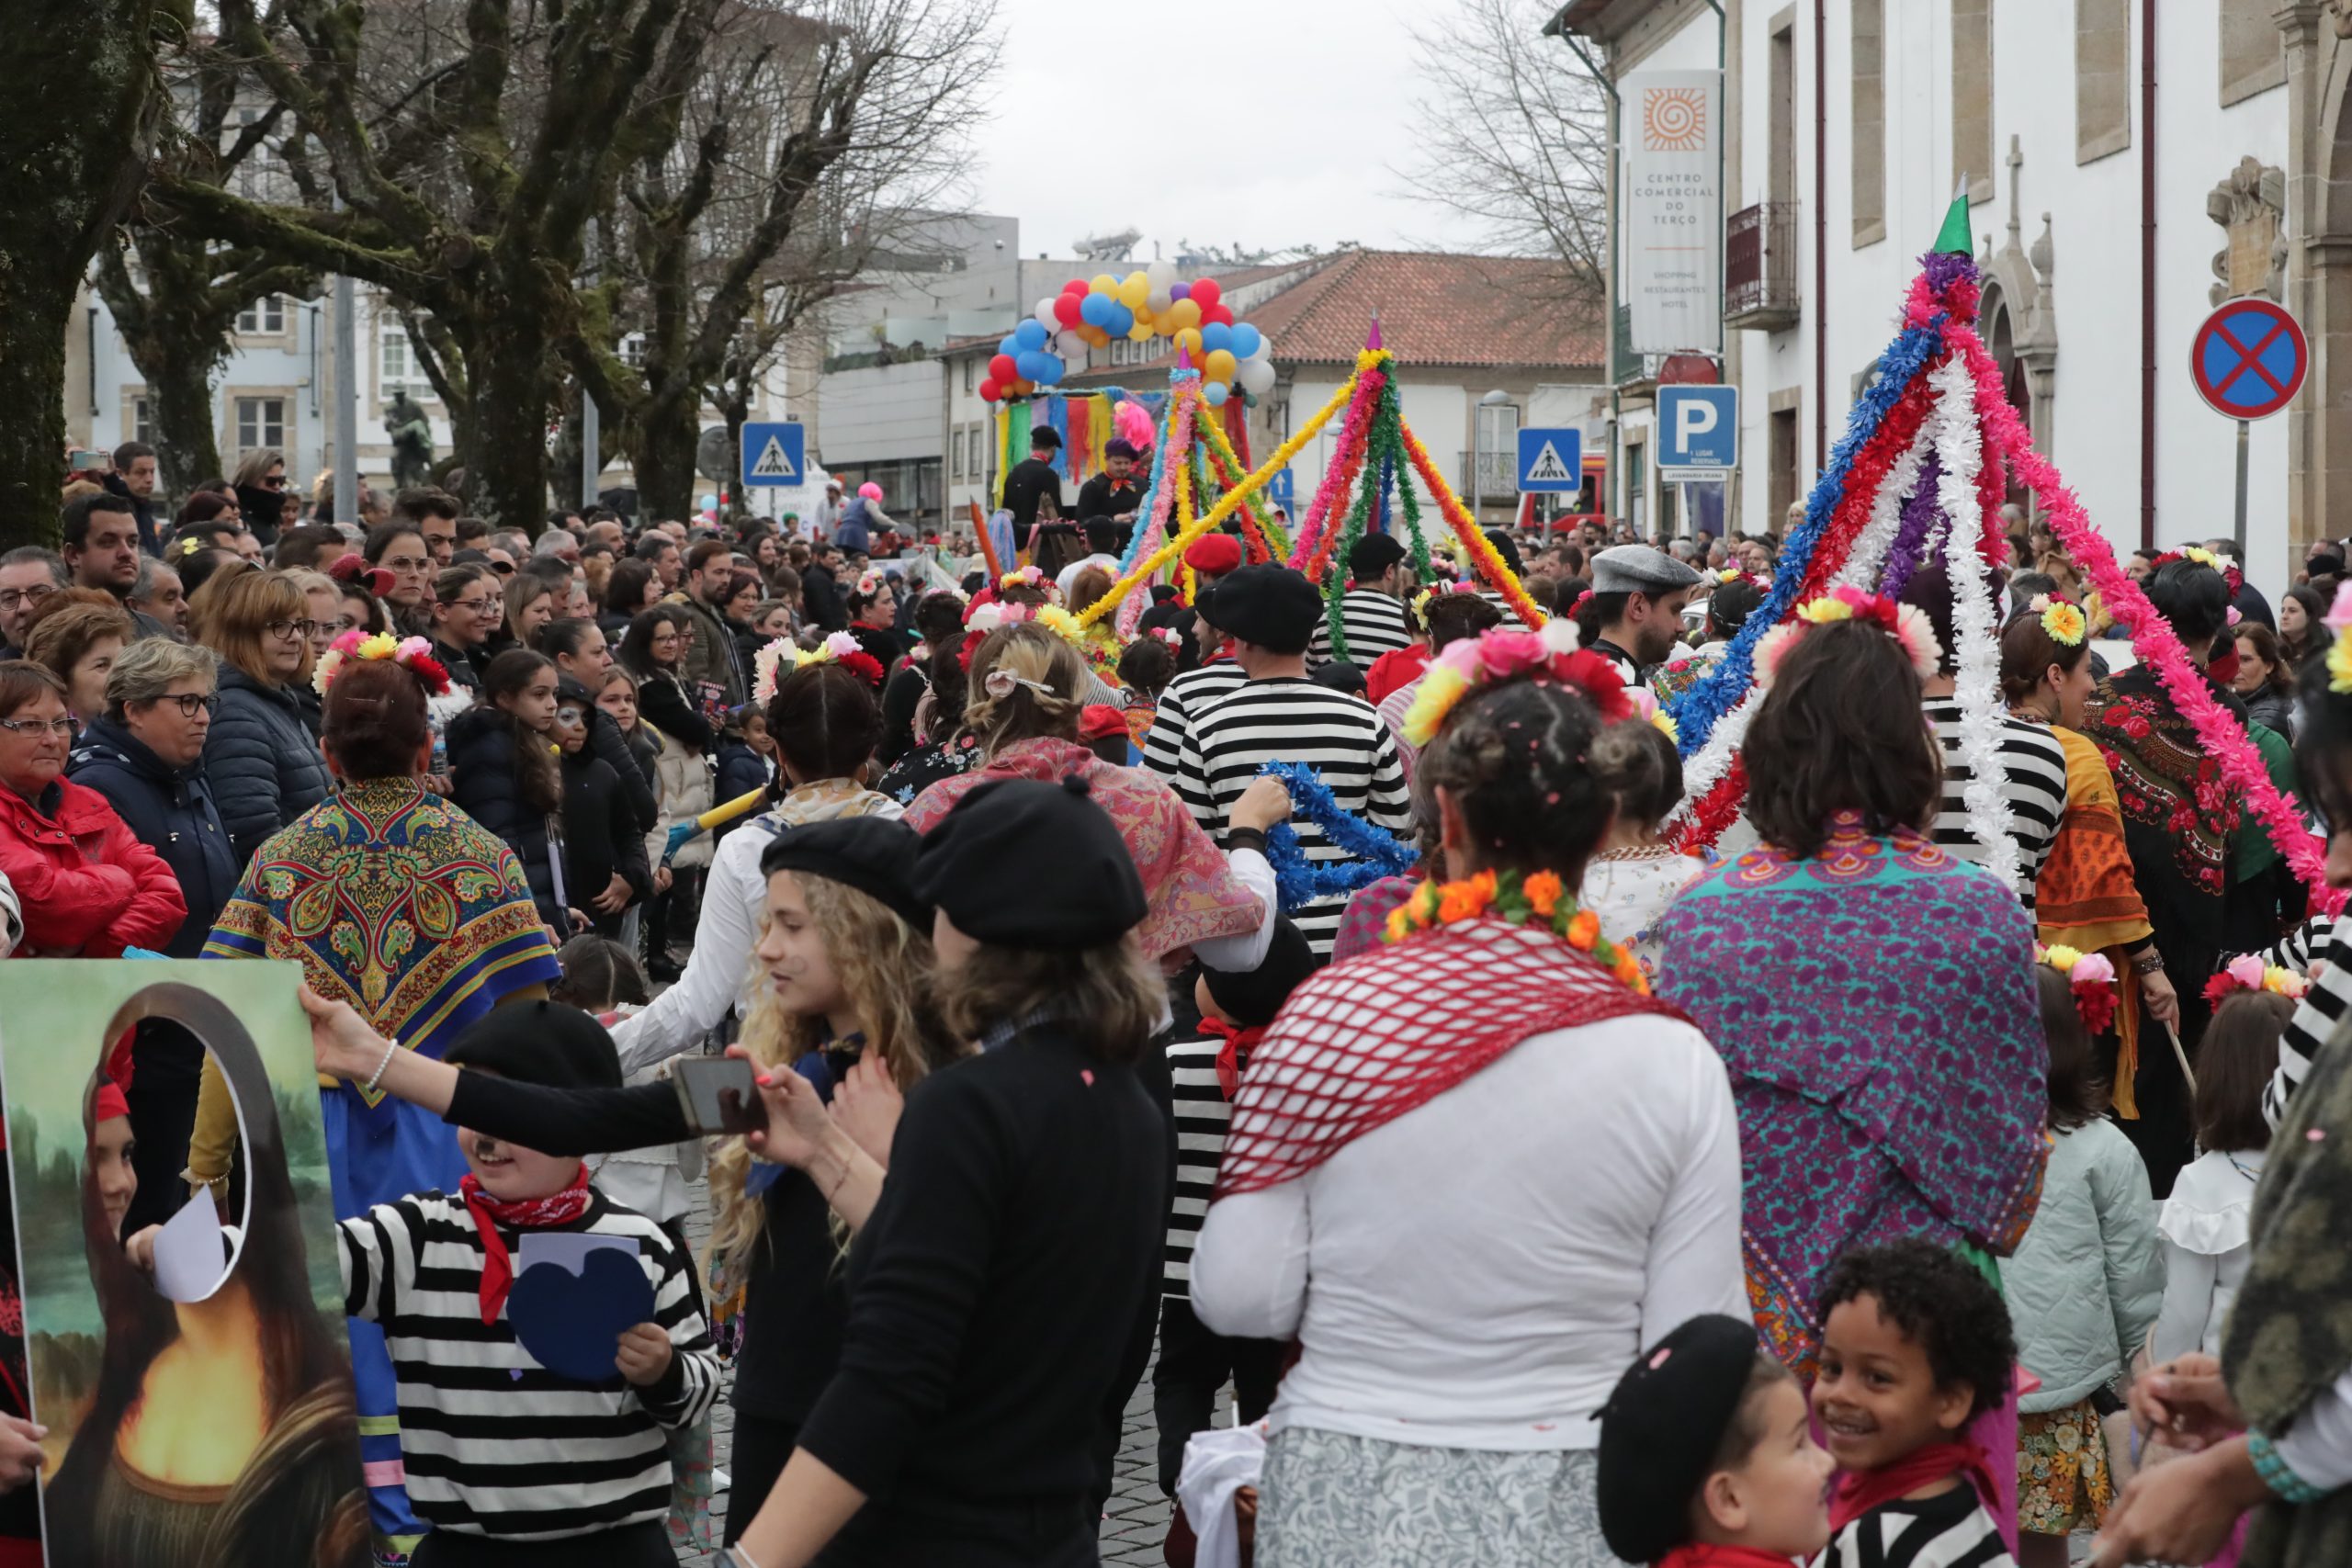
263 317
633 351
261 424
1781 166
2103 78
971 372
1972 96
143 420
955 456
398 368
1868 101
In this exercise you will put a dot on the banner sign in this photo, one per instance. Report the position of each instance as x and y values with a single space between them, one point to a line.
1673 212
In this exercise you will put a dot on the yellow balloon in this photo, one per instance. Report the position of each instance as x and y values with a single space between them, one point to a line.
1139 332
1148 322
1183 313
1104 284
1188 339
1133 290
1220 364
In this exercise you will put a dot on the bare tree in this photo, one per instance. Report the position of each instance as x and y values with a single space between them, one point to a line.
81 109
1515 139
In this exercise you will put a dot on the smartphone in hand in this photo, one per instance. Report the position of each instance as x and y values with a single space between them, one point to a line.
718 1094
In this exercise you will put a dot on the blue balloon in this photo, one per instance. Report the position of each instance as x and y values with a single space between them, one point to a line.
1090 308
1215 394
1216 335
1050 369
1032 365
1011 343
1121 322
1031 333
1246 339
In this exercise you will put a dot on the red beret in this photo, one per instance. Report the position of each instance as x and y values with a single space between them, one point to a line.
1100 721
1214 553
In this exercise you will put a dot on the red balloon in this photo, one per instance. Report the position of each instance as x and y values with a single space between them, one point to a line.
1001 370
1219 312
1077 286
1065 309
989 392
1206 293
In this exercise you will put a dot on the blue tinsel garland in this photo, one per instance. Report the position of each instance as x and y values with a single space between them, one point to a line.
1298 880
1698 710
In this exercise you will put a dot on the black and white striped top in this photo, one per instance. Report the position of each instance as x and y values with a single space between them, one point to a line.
1203 1116
1186 695
2034 781
1375 625
1949 1531
2317 1015
495 1444
1292 719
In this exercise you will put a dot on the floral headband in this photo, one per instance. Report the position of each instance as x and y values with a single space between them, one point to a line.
1169 634
839 648
2248 972
2340 652
2061 619
1555 653
1904 622
2092 979
1033 576
2229 574
411 654
869 583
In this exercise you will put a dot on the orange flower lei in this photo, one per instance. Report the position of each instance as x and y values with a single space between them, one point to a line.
1517 900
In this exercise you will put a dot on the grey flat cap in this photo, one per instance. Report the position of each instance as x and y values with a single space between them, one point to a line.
1637 568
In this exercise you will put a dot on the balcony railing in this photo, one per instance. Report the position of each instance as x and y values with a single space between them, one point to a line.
1760 266
1495 475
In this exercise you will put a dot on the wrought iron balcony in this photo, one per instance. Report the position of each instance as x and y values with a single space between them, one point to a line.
1761 268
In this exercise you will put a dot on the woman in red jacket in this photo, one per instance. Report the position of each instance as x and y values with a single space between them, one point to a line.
88 889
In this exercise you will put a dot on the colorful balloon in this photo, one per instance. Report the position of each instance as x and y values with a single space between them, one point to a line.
1104 284
1069 343
1003 369
1220 313
1179 290
1218 365
1185 314
1256 375
1066 309
1045 312
989 392
1030 333
1206 292
1133 289
1119 321
1215 394
1215 335
1189 340
1049 369
1246 341
1008 344
1075 286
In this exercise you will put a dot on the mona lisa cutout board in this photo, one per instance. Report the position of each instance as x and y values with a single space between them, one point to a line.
219 1426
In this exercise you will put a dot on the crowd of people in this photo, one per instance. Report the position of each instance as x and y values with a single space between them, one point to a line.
1328 994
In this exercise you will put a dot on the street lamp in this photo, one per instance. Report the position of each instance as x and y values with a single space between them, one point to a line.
1494 399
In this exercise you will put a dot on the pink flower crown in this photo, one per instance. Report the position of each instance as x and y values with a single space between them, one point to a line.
1904 622
411 654
2090 977
2248 972
838 647
1555 653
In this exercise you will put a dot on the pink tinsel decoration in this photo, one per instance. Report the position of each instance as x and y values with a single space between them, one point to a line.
1129 613
1353 434
2152 638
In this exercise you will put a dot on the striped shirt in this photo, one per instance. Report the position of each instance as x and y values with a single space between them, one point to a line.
2033 767
2320 1011
1949 1531
1202 1114
1187 694
1375 625
1292 719
494 1444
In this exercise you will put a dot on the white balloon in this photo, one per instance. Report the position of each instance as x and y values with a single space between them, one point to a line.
1255 376
1160 274
1160 299
1044 314
1265 348
1069 344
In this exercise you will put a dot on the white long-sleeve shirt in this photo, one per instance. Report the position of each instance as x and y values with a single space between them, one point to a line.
1479 1272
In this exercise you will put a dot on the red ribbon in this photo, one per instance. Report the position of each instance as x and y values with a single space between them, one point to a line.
1856 1492
522 1214
1232 1056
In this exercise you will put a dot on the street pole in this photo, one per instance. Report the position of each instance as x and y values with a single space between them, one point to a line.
2243 427
1478 464
592 437
347 400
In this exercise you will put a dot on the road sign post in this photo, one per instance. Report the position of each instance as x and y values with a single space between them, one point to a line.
2248 361
1698 437
773 454
1551 461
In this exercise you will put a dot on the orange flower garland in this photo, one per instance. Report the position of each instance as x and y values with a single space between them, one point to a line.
1517 900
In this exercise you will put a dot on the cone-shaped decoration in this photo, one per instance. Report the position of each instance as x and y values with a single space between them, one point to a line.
1184 357
1373 340
1953 238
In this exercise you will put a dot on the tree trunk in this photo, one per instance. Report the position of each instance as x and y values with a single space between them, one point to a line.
180 400
736 410
507 371
662 451
36 288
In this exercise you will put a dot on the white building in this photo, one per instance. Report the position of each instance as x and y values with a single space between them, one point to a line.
2107 235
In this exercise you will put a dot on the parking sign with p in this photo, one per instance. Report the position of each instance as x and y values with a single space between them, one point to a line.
1698 432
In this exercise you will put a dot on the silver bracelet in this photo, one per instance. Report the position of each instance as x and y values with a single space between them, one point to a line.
391 1043
740 1558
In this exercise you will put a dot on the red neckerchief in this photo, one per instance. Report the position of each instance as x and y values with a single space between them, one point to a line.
1233 1055
1856 1492
525 1213
1696 1555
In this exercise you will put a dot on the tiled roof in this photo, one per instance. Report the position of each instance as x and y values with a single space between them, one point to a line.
1436 309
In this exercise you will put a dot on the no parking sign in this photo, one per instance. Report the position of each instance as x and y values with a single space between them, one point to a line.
2248 359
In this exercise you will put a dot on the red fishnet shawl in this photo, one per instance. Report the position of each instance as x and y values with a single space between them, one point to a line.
1366 1041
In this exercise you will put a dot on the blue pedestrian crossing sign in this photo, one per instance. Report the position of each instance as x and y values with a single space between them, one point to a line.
1551 460
773 454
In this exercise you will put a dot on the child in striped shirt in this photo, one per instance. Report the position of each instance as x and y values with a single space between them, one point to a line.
512 1463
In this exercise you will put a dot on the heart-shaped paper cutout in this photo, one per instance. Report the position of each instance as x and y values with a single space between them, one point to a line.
572 1323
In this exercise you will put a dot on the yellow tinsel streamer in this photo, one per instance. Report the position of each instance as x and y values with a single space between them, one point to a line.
1277 539
1466 529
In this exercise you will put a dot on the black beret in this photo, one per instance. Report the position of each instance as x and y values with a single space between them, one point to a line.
1270 605
1045 436
1022 862
876 855
542 1043
1252 997
1118 447
1661 1427
1374 554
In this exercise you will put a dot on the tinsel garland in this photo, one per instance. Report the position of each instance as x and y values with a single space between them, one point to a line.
1229 469
1976 675
1489 562
2152 637
1297 879
1909 549
1875 544
1314 559
1700 708
1335 581
1174 430
1363 391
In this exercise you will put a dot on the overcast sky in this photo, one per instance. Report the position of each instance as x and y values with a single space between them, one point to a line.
1300 110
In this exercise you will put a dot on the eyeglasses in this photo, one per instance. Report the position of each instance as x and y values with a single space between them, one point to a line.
273 481
191 703
16 598
282 630
405 563
61 728
473 606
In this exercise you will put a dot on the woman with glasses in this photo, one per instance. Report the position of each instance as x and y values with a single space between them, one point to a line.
265 767
466 607
323 602
86 887
399 550
260 484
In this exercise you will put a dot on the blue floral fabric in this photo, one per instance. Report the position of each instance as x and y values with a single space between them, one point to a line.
1876 1006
